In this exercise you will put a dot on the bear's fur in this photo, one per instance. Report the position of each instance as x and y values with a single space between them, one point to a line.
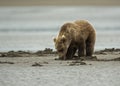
78 35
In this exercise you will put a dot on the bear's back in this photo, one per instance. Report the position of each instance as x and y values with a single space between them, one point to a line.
67 28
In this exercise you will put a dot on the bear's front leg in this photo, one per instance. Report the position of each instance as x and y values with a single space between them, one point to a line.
71 52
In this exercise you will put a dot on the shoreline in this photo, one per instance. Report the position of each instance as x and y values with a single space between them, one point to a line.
49 52
46 56
99 56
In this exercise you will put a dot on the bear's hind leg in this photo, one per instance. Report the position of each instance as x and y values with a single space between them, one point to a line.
81 50
89 48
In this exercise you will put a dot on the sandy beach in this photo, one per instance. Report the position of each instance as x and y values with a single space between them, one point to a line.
31 69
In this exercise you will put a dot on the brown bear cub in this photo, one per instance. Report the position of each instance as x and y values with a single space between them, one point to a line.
79 35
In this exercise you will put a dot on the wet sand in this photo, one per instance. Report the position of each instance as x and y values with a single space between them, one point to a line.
32 69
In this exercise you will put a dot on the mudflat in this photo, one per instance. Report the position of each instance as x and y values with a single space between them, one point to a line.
40 68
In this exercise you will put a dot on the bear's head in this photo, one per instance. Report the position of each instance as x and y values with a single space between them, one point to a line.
61 45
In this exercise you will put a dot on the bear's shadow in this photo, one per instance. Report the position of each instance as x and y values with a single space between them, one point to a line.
92 58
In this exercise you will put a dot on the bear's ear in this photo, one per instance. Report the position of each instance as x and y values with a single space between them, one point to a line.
63 38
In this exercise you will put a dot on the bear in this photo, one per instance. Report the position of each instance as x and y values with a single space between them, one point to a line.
79 36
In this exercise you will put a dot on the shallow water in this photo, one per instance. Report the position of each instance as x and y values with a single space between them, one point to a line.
32 28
